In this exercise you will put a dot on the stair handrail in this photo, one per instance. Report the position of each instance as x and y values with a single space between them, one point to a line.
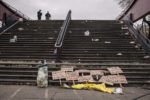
139 36
60 39
62 33
9 27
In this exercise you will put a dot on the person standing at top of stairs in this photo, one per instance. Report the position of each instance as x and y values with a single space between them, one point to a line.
39 14
47 16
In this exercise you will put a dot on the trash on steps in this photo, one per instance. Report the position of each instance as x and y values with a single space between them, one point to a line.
20 29
119 54
14 39
87 33
107 42
146 57
95 39
66 86
42 77
118 91
132 42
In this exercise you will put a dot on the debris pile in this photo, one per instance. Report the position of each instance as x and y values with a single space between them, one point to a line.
91 79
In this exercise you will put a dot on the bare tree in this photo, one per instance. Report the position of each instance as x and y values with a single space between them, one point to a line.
124 3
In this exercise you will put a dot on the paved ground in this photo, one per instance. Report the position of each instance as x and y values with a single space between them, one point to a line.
8 92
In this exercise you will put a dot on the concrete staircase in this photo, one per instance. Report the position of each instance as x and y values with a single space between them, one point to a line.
35 41
108 44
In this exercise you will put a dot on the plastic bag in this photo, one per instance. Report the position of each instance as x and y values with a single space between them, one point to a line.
42 78
87 33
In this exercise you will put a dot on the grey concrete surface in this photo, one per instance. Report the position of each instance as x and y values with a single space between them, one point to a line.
14 92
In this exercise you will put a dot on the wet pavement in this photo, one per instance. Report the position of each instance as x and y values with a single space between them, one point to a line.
14 92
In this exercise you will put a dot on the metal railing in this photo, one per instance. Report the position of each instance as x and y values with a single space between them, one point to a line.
3 30
140 37
9 23
60 40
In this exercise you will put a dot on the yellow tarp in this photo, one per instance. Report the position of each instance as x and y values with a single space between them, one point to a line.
101 87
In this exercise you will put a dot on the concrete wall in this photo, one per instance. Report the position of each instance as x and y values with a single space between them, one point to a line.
9 12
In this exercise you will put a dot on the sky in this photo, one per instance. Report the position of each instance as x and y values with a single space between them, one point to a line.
81 9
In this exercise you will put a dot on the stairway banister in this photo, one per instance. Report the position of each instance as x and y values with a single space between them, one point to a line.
9 27
61 35
143 40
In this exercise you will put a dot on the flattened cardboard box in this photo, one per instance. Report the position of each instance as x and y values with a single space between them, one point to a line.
70 76
116 79
85 78
58 75
97 72
83 71
115 70
67 68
